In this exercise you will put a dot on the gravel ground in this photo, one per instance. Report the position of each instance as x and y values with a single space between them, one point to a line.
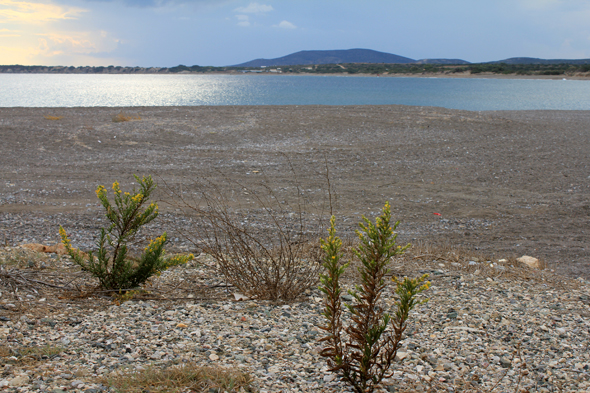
508 183
479 313
502 184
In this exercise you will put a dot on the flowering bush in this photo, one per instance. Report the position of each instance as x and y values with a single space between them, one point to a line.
114 269
362 351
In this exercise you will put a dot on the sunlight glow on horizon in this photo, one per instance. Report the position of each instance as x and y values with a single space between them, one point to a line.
165 33
32 34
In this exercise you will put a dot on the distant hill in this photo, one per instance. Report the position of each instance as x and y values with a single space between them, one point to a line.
533 60
307 57
442 61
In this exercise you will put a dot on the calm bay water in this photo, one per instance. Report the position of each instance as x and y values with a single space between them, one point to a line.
67 90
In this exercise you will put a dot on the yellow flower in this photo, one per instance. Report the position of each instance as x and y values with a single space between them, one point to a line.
100 190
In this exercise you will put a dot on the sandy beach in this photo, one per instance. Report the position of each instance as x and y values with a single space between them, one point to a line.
507 183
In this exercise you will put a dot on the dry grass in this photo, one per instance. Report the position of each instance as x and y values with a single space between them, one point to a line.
450 257
181 378
123 117
49 117
27 355
429 257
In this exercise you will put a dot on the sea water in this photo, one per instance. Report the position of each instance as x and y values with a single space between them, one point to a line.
88 90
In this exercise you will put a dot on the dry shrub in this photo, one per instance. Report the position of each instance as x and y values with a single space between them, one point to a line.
267 248
180 378
49 117
122 117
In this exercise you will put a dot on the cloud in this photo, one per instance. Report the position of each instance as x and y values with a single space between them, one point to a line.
286 25
88 42
28 12
158 3
244 20
254 8
9 33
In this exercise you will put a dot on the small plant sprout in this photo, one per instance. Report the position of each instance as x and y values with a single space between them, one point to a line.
362 350
111 264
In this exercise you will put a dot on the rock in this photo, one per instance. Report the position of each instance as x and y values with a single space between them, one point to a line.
213 357
18 381
156 355
76 383
505 363
329 377
531 262
401 355
273 369
239 297
34 247
58 249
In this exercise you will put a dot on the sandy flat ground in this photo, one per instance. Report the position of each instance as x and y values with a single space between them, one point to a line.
506 183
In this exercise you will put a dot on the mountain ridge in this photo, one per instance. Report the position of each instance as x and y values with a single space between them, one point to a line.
310 57
359 55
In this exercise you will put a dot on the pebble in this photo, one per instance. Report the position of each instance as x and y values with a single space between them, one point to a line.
469 328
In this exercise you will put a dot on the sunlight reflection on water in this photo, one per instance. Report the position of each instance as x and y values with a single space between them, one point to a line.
72 90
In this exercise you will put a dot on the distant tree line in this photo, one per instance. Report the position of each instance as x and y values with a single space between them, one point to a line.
347 68
494 68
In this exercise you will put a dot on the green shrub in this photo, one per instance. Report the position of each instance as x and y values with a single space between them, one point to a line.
362 350
114 269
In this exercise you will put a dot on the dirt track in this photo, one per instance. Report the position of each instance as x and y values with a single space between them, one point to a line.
507 183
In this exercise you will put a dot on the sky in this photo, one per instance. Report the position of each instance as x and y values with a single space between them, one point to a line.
166 33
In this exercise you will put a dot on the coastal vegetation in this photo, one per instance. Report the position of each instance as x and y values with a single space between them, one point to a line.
115 270
373 336
494 68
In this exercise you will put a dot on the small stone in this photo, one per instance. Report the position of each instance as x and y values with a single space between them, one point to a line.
156 355
213 357
181 325
329 377
531 262
401 355
505 363
76 383
18 381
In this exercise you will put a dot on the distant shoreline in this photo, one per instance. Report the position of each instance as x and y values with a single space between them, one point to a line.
465 75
